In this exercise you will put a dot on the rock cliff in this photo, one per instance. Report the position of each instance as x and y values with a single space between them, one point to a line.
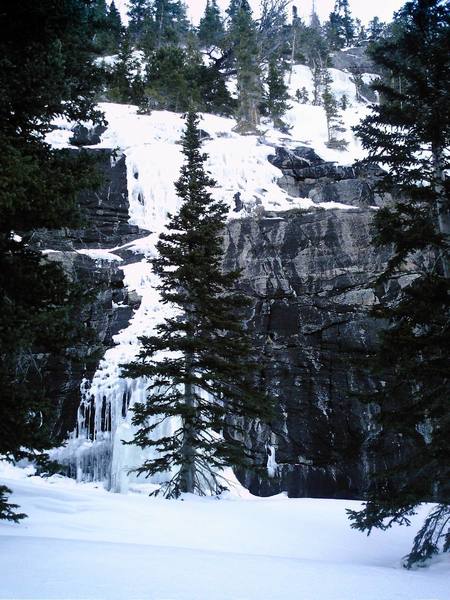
310 274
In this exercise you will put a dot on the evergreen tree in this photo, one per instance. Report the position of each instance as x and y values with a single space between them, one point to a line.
233 11
302 96
274 36
125 83
276 100
314 20
313 51
357 80
349 26
137 14
243 35
334 122
340 28
169 86
169 22
375 29
115 26
211 30
53 74
409 132
108 26
205 371
360 37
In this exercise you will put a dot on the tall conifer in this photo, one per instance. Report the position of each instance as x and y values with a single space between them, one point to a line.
52 74
211 30
246 52
198 362
409 132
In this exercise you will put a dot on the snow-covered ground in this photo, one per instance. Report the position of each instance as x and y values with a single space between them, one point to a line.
81 542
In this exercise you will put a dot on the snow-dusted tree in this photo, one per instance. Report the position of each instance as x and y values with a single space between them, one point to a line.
199 361
302 96
334 122
409 132
276 97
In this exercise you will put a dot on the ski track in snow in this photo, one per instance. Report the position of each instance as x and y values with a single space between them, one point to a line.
151 144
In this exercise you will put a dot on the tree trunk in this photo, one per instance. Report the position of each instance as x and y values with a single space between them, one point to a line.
187 470
294 39
442 205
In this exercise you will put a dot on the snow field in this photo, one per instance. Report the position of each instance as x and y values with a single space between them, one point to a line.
81 542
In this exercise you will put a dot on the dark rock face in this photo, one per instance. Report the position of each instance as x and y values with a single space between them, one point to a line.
306 175
353 58
103 316
310 275
82 136
104 211
110 307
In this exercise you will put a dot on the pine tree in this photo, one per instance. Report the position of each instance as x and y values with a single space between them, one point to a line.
312 49
7 509
340 27
108 27
170 22
53 74
375 29
360 36
114 26
349 26
408 132
243 35
275 41
170 85
314 20
233 11
302 96
138 12
204 374
334 122
344 102
277 96
125 83
211 30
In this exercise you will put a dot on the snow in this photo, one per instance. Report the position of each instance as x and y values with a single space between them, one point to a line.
100 255
308 123
83 542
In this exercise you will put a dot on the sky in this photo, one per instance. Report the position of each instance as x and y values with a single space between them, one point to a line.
362 9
